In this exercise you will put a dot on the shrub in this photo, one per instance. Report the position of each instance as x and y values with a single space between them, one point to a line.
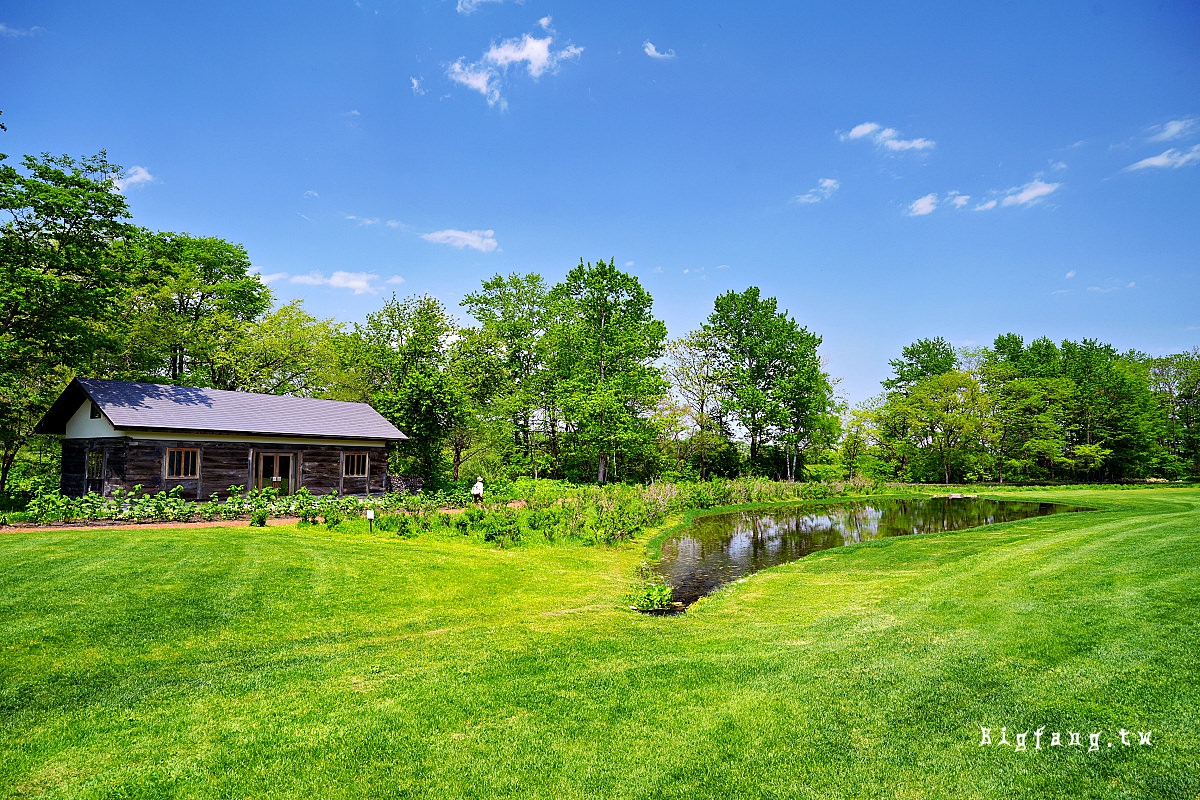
651 591
258 518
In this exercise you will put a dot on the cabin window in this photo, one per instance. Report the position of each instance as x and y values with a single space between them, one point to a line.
95 465
355 465
95 412
183 463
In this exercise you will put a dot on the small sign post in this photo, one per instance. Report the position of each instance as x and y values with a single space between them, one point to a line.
371 520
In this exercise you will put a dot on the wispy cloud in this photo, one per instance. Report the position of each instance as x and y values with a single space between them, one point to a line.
9 32
1070 274
1030 193
923 205
357 282
886 138
478 77
417 89
1113 286
822 191
536 54
957 199
649 49
363 221
311 194
1175 129
1169 159
134 176
531 51
471 6
483 241
271 277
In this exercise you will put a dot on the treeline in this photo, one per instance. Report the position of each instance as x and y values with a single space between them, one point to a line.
575 380
1035 411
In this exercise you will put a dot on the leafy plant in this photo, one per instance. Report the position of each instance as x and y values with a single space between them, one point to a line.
651 592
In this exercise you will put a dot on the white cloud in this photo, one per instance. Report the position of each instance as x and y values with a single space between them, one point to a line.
395 280
546 24
822 191
477 77
865 129
416 86
1112 286
357 282
133 176
628 263
1175 129
1030 193
271 277
923 205
311 194
364 221
649 49
471 6
1169 159
1070 274
395 223
536 54
957 199
1033 192
887 138
483 241
17 33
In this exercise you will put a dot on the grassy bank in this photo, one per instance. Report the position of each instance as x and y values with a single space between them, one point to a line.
292 662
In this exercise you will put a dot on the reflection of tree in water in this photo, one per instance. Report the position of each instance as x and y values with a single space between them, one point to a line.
723 547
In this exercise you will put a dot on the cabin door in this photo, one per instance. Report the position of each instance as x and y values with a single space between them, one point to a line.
274 472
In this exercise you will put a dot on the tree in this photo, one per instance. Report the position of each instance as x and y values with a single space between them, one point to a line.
474 376
512 312
600 345
288 351
191 300
769 375
946 414
922 359
396 361
57 285
1175 382
691 372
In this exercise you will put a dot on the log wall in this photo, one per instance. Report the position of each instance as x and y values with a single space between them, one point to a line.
130 462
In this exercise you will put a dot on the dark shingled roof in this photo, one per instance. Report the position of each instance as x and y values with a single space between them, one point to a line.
155 407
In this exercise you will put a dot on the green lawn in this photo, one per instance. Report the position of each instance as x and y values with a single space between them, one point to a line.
240 662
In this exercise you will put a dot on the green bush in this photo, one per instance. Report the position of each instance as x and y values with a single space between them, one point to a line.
651 591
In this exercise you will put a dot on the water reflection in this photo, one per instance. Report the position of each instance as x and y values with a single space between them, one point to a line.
723 547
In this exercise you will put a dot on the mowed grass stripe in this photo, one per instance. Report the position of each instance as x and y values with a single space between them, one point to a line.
285 663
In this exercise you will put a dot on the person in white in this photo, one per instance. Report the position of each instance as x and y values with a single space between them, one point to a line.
477 491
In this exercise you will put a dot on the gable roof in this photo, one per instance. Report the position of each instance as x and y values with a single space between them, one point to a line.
156 407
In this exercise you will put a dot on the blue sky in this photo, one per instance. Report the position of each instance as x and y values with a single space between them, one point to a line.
888 171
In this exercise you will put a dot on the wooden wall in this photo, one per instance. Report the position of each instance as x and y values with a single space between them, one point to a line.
129 462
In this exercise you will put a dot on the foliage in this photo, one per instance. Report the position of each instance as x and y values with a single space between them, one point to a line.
600 344
651 592
769 380
1017 412
57 286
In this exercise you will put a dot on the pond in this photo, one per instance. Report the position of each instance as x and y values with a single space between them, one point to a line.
720 548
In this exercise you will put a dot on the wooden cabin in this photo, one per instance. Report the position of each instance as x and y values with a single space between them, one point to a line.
120 434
